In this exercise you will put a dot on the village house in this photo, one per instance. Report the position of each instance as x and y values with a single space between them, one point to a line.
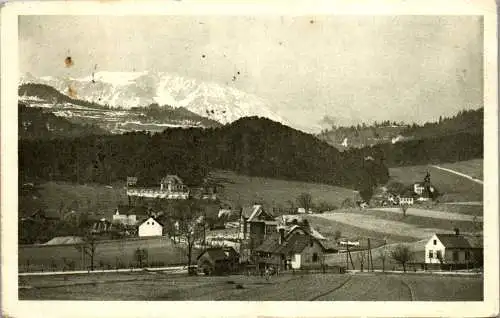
418 188
125 219
150 227
256 225
303 211
454 249
297 249
101 226
218 260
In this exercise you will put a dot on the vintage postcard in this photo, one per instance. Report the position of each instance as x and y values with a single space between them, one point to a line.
305 159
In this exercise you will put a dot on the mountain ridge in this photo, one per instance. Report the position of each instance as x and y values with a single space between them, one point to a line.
138 89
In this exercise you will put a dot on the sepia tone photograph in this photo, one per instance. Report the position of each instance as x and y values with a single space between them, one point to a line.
249 157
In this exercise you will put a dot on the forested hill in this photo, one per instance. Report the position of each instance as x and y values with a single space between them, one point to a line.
253 146
435 150
35 122
466 121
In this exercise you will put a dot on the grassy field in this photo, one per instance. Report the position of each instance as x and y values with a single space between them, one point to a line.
243 190
379 224
274 192
98 199
453 187
53 257
473 168
236 189
158 286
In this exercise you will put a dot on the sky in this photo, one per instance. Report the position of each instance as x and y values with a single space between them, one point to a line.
349 69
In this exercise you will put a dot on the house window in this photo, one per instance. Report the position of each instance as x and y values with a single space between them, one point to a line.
311 243
438 255
431 254
467 255
315 257
455 256
435 242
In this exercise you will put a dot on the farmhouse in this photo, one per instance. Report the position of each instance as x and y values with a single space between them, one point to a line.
150 227
218 260
453 249
297 249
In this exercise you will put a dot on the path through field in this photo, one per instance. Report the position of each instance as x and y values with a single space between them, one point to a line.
432 214
459 174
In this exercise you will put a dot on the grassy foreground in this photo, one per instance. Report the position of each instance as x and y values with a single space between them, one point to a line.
159 286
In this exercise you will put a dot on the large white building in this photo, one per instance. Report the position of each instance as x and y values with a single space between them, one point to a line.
171 187
150 227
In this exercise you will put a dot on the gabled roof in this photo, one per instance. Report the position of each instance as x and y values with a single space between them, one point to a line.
314 233
219 253
152 218
475 241
171 177
270 245
293 243
296 243
251 213
453 241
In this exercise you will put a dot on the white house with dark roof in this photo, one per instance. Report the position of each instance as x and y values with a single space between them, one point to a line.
150 227
453 249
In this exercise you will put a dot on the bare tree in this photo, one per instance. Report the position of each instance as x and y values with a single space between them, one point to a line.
338 235
191 231
404 207
304 200
88 248
402 255
141 255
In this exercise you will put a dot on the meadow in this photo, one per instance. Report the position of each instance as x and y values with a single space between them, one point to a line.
109 254
245 191
102 201
294 287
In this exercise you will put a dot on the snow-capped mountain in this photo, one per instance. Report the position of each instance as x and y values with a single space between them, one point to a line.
131 89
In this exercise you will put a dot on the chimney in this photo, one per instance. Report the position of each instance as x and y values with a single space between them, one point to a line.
457 231
282 235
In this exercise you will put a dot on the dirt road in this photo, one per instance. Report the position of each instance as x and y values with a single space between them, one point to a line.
459 174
